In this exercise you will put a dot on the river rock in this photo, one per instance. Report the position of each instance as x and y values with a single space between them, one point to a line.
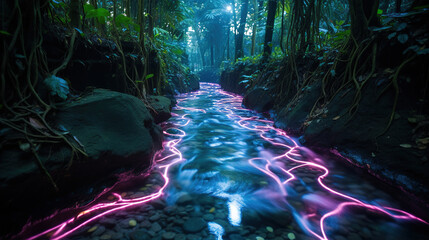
259 100
155 217
236 237
160 108
140 235
184 199
168 235
155 227
180 237
208 217
115 130
100 230
194 225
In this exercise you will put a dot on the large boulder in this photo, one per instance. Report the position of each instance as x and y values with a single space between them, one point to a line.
160 108
258 99
116 131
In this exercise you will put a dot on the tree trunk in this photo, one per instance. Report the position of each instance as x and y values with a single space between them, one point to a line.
283 26
115 11
234 14
255 26
243 19
363 14
200 46
150 18
74 13
140 19
269 28
227 44
398 4
128 8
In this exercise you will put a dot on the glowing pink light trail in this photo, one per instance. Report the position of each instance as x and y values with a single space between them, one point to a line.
289 156
230 105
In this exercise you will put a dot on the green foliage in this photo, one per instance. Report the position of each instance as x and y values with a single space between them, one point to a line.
126 23
149 76
5 33
100 14
249 59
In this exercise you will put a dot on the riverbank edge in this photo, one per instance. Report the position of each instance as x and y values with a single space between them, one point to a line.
265 102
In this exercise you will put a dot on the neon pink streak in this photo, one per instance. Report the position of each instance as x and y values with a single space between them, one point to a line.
122 203
228 105
251 123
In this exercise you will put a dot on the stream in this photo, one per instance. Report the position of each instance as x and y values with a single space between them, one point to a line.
226 173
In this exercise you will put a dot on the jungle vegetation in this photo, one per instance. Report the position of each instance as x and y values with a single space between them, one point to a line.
180 36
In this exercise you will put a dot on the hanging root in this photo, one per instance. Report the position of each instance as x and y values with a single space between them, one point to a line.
40 164
21 104
396 88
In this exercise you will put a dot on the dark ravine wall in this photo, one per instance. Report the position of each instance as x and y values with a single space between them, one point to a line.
392 157
118 131
97 62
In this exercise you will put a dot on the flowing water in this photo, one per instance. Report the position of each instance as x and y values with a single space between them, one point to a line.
227 173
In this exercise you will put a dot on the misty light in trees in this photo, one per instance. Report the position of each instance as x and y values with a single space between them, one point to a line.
229 8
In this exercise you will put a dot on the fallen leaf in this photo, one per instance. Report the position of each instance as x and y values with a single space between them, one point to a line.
36 124
92 229
24 147
405 145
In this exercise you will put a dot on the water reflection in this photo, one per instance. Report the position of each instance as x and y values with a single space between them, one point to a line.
228 174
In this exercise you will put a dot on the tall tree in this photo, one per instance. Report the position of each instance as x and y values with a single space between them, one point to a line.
269 27
74 13
363 14
239 49
255 26
151 12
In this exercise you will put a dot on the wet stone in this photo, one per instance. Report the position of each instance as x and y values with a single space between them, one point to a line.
184 199
116 235
244 232
366 233
340 237
132 223
300 189
170 209
168 235
180 237
151 233
354 236
155 217
208 217
100 230
159 204
179 221
105 237
194 225
145 224
193 237
236 237
108 222
155 227
140 235
220 215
